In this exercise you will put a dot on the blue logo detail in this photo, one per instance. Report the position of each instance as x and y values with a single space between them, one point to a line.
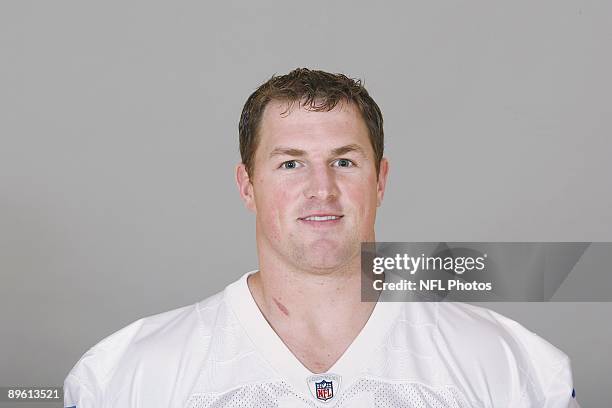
573 393
324 390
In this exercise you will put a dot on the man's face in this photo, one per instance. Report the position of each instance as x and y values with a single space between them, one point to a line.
314 189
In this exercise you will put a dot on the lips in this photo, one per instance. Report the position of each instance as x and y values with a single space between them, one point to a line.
321 219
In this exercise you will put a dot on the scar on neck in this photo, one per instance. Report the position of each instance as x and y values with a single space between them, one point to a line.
281 307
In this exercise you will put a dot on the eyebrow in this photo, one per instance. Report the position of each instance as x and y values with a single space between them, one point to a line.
287 151
290 151
347 149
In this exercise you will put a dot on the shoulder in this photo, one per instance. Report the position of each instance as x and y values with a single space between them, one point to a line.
482 331
503 357
491 359
146 353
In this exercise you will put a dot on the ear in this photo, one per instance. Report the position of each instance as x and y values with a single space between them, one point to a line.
383 172
245 187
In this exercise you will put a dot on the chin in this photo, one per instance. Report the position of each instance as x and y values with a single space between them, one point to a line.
327 258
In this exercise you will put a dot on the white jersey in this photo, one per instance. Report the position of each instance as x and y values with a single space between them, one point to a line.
222 353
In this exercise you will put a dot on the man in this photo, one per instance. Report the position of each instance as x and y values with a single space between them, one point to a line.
295 333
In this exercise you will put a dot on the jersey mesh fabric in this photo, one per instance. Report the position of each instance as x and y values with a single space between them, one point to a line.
266 395
384 395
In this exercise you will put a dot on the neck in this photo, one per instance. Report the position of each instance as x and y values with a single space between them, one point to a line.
295 299
295 292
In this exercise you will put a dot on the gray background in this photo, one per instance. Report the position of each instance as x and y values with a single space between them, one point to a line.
119 136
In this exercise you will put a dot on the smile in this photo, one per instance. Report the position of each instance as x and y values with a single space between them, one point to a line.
322 218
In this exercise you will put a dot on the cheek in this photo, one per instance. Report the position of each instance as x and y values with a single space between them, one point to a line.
275 203
362 197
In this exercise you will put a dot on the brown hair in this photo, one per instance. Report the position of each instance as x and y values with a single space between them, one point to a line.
314 90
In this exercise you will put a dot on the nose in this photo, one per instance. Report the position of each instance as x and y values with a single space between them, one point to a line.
322 184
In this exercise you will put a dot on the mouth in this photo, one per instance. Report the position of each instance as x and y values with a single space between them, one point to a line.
321 219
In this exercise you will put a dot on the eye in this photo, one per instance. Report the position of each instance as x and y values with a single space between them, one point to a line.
343 163
291 164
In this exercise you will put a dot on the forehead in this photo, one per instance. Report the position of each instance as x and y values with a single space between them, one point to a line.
300 127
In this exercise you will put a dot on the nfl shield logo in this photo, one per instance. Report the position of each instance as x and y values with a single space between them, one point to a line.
324 390
324 387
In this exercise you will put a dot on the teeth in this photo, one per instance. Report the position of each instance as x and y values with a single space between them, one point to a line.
325 218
